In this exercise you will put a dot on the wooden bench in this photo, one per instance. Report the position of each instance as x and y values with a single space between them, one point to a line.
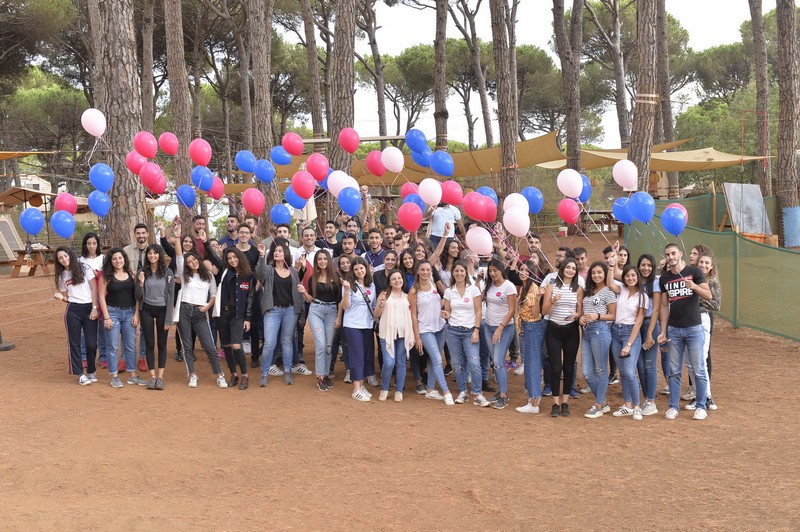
600 218
38 257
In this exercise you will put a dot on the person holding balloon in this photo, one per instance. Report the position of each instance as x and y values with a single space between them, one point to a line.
154 291
498 326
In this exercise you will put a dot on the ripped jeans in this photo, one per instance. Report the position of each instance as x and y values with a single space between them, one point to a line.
321 319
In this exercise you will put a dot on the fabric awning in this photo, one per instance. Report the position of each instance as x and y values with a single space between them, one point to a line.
14 154
590 162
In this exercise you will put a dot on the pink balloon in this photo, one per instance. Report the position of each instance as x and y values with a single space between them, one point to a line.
292 143
66 202
253 201
489 209
430 191
337 181
303 184
168 143
160 186
516 220
473 205
374 164
149 173
392 158
515 200
479 240
408 188
680 208
349 139
217 189
625 174
145 143
410 216
318 166
570 183
94 122
569 211
452 193
134 161
200 152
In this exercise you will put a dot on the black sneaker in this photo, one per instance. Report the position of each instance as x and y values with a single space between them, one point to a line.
486 387
234 381
555 411
501 403
565 409
321 386
255 363
151 384
496 397
178 357
328 382
448 369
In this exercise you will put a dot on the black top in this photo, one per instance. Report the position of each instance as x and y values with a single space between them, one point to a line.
121 294
282 290
684 303
326 292
252 256
229 289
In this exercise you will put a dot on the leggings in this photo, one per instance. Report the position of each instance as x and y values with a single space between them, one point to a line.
562 340
76 319
154 334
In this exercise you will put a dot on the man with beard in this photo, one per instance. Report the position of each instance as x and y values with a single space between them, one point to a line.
137 260
232 236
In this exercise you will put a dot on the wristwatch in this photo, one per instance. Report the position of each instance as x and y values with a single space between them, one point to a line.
629 344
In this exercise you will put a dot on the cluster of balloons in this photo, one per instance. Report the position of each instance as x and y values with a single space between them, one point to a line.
439 161
62 221
430 192
674 219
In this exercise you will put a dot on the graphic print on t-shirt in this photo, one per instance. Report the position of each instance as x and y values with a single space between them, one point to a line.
677 289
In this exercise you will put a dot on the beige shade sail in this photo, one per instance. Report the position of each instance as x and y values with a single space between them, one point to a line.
14 154
590 162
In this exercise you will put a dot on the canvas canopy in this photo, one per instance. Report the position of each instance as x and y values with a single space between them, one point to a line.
14 154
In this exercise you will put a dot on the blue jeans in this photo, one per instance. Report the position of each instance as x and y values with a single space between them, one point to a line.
485 353
594 358
498 352
321 319
390 363
620 335
121 325
434 345
531 344
648 373
691 340
279 322
465 358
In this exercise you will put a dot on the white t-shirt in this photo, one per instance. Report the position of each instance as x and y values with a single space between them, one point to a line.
357 315
442 216
462 309
497 302
429 310
628 306
298 253
80 293
95 263
550 278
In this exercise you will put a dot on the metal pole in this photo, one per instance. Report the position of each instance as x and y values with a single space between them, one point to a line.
5 346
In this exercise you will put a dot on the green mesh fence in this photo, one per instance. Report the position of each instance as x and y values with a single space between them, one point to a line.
760 285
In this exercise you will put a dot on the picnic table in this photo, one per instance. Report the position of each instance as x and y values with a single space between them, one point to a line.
600 218
38 257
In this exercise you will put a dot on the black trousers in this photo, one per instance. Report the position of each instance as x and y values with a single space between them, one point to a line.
76 319
562 348
152 320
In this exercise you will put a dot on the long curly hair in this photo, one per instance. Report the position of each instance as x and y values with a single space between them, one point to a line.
201 271
108 268
75 266
161 265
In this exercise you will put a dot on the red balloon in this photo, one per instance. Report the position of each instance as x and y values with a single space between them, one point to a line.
145 143
408 188
680 208
452 193
349 139
410 216
318 166
569 211
293 143
374 164
303 184
253 201
150 172
66 202
168 143
200 152
489 209
474 206
134 161
217 189
160 186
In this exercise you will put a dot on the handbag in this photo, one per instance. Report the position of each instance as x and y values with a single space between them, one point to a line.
375 323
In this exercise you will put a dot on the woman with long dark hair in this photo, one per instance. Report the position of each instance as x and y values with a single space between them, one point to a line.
647 365
396 334
708 265
498 326
92 256
358 301
599 309
77 289
531 329
154 291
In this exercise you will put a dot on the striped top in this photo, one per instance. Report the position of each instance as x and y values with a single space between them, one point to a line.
562 310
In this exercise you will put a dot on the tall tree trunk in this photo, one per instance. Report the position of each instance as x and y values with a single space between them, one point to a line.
664 91
243 44
506 89
762 96
644 113
148 92
178 88
117 94
788 105
569 52
440 114
259 23
343 81
511 29
317 124
198 59
369 24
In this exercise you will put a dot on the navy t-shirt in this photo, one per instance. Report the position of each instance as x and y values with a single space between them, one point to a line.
684 303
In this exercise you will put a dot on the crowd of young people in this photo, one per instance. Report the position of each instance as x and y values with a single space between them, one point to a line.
423 301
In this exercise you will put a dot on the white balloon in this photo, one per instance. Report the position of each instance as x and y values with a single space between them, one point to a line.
430 191
516 220
337 181
94 122
351 183
479 240
570 183
515 199
625 173
392 158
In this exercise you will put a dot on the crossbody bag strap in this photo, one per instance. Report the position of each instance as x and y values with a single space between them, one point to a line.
366 299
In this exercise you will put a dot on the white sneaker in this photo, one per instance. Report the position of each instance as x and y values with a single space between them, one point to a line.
384 395
92 377
276 371
691 406
434 394
665 390
366 392
637 413
347 376
700 413
448 399
481 401
221 382
84 380
689 394
193 381
398 397
623 411
301 369
359 395
372 381
710 404
462 398
520 370
649 408
528 408
247 348
672 413
586 389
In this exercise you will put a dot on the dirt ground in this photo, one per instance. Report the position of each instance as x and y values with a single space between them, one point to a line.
291 457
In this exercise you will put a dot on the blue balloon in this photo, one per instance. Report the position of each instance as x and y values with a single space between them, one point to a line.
100 203
442 164
293 199
280 214
416 140
63 223
416 200
245 160
587 190
202 178
642 206
621 211
264 171
31 220
186 196
422 157
489 193
102 177
673 220
535 199
280 156
350 200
